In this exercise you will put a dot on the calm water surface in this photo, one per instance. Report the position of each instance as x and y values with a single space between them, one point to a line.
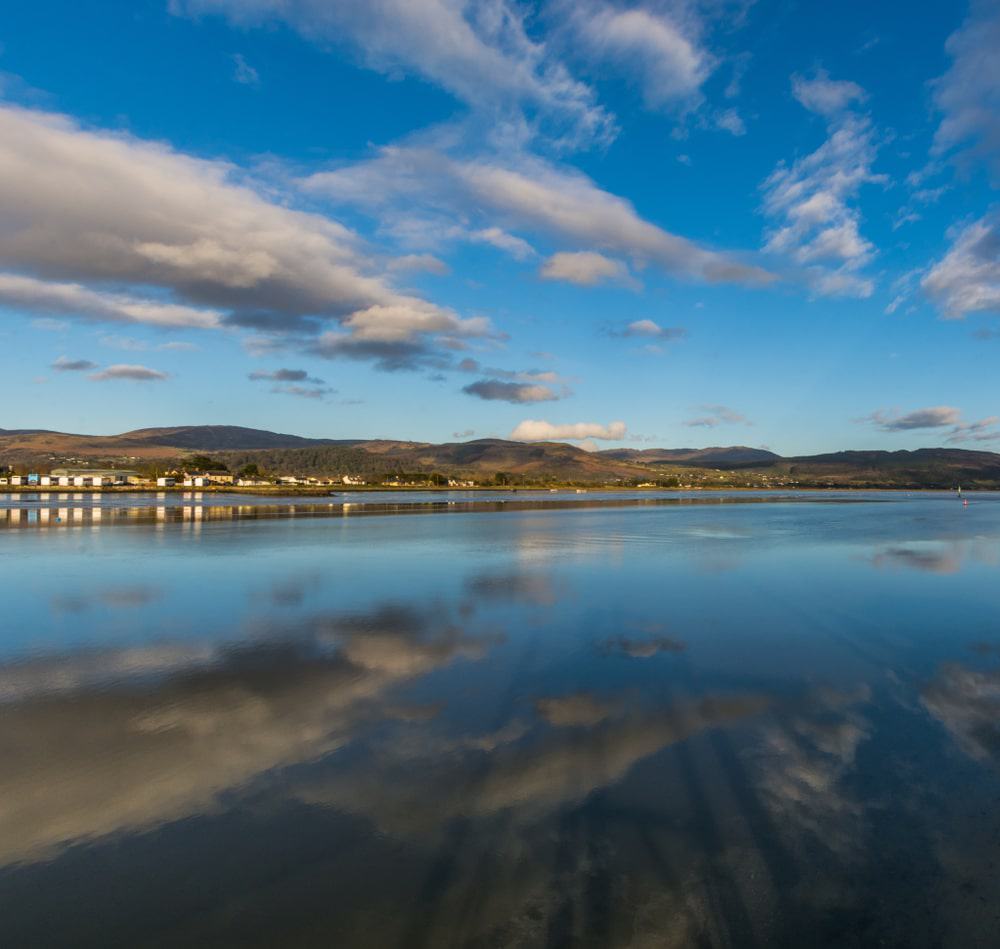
759 721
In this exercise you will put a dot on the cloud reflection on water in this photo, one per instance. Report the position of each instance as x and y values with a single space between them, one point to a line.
967 703
82 761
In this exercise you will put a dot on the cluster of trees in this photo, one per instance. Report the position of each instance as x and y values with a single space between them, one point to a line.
316 461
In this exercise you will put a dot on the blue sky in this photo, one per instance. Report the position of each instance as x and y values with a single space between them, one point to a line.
640 224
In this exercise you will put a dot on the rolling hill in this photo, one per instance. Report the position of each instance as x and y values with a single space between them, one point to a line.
735 456
144 443
483 458
218 438
923 467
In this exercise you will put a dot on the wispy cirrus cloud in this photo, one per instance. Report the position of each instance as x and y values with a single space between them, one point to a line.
481 53
132 344
968 94
985 430
967 279
76 300
517 247
716 415
425 262
818 226
518 192
243 72
305 392
650 329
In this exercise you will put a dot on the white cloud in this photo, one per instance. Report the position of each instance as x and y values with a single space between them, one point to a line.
427 262
517 247
73 299
406 320
658 48
520 375
935 417
65 364
85 211
524 193
536 430
729 120
939 416
243 72
967 278
567 203
968 94
129 371
147 214
985 430
650 328
584 268
824 95
841 283
817 228
479 52
498 390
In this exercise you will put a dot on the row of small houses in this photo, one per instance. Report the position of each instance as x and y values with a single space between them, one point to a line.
93 478
107 478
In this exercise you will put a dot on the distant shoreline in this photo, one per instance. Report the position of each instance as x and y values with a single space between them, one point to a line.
313 491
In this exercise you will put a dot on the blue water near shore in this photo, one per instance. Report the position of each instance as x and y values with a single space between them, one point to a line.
723 720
